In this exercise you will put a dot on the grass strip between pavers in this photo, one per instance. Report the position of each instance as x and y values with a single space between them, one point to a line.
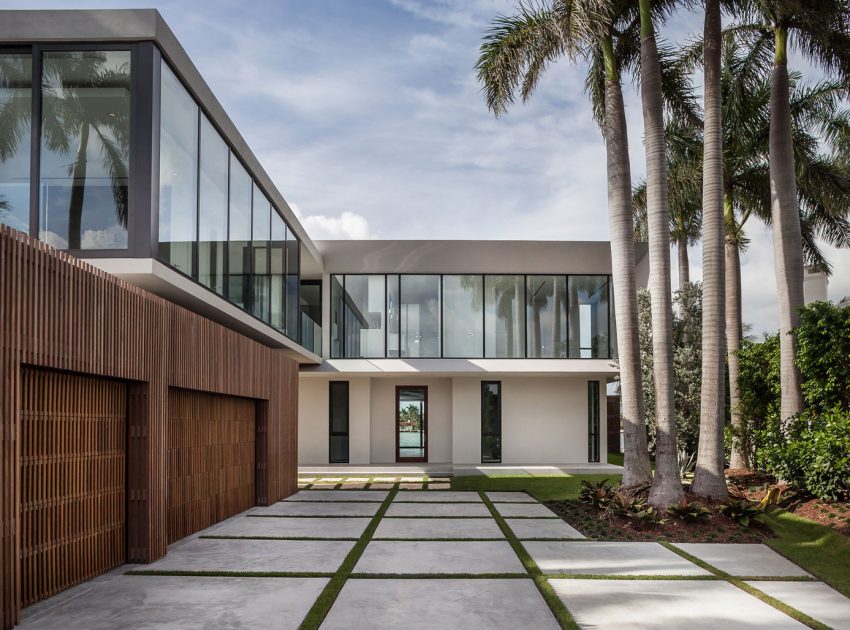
748 588
251 574
327 597
559 610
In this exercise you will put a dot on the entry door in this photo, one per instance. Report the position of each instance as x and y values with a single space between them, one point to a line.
411 420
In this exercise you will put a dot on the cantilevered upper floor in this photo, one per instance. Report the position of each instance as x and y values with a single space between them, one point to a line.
115 149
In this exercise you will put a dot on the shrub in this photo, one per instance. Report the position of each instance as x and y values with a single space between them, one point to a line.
596 494
634 509
688 511
740 510
823 348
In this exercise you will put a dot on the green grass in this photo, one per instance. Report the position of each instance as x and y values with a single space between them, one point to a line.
552 488
820 550
615 458
559 610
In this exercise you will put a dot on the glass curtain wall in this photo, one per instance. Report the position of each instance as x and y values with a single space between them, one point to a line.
463 316
364 316
15 141
293 283
239 243
85 148
212 213
419 316
393 322
504 316
277 256
311 315
589 314
260 244
546 313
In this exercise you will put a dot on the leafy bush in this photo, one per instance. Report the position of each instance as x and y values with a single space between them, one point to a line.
634 509
823 350
596 494
688 511
740 510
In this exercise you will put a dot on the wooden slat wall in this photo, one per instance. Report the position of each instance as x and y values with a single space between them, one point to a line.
73 447
211 445
60 313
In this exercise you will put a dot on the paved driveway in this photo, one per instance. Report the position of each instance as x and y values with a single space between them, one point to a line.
436 559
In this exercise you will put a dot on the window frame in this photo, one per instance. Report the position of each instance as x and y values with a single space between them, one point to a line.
484 385
347 433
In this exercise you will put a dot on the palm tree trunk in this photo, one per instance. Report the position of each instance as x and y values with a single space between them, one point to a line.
787 238
78 191
637 468
709 480
666 486
556 322
684 263
734 334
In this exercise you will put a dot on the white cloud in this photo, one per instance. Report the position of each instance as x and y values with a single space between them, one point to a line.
114 237
348 225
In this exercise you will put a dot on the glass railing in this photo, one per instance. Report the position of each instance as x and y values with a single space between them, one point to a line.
311 334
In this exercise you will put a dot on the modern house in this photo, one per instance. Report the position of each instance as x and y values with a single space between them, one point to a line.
168 323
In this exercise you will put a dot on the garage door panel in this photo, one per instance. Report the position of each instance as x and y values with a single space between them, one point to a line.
211 455
73 461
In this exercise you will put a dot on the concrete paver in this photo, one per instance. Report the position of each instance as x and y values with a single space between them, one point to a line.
438 528
815 599
437 509
367 496
500 604
665 604
609 558
531 528
524 510
445 556
510 497
447 496
291 527
744 559
326 508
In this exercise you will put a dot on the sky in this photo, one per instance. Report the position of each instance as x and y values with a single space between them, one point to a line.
368 117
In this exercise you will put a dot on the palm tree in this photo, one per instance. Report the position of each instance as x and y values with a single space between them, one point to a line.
709 479
72 117
515 52
821 31
667 484
820 129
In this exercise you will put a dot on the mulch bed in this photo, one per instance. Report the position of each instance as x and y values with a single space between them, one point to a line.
714 529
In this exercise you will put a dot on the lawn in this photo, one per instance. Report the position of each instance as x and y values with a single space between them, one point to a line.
550 488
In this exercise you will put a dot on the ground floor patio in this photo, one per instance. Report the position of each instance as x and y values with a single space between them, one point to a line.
402 556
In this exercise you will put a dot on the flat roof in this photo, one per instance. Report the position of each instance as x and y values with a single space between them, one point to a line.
133 25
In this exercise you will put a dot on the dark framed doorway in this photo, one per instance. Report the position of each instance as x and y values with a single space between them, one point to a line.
491 422
411 423
338 417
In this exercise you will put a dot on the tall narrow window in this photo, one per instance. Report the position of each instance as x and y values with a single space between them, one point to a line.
261 240
338 414
364 316
277 293
463 319
293 282
212 215
178 174
504 317
419 316
393 323
546 314
491 422
588 297
593 421
337 317
16 116
85 149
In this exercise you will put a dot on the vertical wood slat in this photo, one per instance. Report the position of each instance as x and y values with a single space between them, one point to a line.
59 313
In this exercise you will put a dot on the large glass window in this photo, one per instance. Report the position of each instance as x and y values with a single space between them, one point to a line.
588 297
337 317
16 126
393 323
178 173
364 316
212 216
277 295
504 316
239 256
463 316
261 237
338 416
85 143
293 282
419 316
311 315
546 314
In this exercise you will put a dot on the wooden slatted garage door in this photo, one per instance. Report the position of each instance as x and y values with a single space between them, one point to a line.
73 459
211 459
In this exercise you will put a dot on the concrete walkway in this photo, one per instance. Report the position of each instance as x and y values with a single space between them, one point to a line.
435 559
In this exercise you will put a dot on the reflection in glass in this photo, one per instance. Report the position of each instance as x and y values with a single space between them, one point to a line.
337 315
504 316
392 316
593 421
85 142
364 316
463 316
212 221
293 281
588 297
311 315
412 423
338 393
15 136
546 312
239 256
178 173
419 315
491 422
261 237
277 279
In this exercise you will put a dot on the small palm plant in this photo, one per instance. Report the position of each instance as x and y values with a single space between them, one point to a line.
686 510
596 494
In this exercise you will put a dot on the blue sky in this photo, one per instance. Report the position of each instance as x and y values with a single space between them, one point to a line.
368 117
